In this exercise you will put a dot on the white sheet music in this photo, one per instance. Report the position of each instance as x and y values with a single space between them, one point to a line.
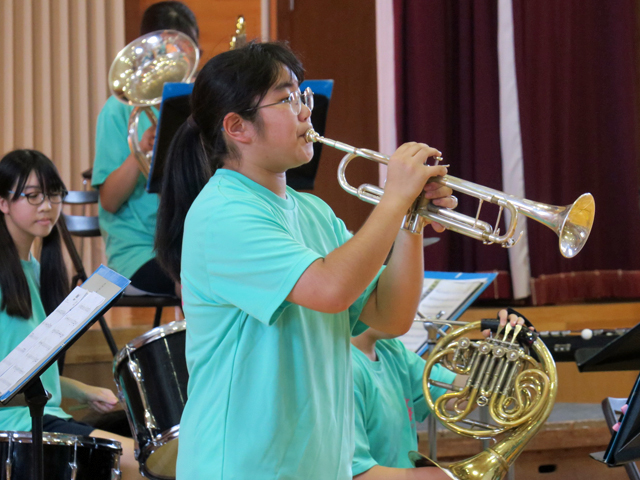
70 316
442 298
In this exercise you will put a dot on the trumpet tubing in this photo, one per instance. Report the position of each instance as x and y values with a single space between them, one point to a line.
572 223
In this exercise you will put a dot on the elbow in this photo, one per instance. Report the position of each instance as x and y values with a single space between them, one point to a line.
335 300
107 202
108 207
396 325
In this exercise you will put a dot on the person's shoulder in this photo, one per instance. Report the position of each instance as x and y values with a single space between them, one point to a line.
393 345
115 108
309 199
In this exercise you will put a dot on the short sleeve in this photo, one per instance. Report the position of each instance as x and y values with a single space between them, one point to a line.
253 264
112 147
416 370
362 459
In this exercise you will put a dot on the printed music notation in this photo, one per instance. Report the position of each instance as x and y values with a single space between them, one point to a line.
48 337
445 296
58 330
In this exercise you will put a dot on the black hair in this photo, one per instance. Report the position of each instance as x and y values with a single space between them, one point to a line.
15 168
233 81
170 16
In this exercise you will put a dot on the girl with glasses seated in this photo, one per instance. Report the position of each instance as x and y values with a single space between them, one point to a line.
31 194
273 284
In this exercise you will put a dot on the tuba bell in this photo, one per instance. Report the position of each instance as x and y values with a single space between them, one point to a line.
516 387
139 72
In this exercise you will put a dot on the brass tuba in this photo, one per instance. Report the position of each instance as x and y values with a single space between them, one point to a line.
517 389
572 223
139 72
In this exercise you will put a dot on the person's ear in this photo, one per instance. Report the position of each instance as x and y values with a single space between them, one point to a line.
237 128
4 205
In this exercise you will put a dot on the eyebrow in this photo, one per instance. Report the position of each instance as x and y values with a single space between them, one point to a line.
283 85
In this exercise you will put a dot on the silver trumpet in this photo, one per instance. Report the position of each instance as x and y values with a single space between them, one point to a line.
572 223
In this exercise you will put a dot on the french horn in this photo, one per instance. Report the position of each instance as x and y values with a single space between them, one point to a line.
517 387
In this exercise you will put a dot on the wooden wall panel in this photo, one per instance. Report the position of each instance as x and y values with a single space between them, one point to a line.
337 39
216 19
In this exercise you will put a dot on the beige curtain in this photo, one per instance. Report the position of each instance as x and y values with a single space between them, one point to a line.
55 56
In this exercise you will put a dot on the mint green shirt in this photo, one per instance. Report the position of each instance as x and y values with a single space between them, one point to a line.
270 385
13 331
128 234
389 401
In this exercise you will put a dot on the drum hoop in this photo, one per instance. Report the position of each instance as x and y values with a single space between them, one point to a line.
146 338
51 438
161 440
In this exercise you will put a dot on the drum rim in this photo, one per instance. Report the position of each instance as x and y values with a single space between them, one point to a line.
159 441
61 439
148 337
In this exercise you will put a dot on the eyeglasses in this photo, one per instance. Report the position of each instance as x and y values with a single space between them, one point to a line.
37 198
295 101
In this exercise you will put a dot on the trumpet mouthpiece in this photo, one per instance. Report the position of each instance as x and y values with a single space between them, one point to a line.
311 136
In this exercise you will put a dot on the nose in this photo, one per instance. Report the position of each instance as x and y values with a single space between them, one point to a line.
305 113
46 204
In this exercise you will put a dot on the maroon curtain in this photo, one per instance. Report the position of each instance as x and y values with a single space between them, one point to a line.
576 65
447 96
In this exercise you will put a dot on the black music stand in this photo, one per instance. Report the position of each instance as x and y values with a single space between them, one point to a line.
624 446
36 397
623 353
175 109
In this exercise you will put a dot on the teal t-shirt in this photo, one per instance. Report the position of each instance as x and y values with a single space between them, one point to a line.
270 384
389 401
128 234
16 329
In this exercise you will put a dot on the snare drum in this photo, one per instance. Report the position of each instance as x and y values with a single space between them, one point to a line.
66 457
151 376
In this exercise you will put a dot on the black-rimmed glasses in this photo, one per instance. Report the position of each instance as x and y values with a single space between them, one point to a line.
37 198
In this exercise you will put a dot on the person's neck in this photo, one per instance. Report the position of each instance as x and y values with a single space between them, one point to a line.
366 345
22 241
276 182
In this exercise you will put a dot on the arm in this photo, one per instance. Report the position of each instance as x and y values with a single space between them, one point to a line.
100 399
120 184
333 283
385 473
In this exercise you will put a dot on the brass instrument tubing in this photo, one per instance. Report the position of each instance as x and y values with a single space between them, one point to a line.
447 386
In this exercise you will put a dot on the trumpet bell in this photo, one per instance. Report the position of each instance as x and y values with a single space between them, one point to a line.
576 225
139 72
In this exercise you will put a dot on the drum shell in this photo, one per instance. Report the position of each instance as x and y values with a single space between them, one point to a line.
151 376
95 458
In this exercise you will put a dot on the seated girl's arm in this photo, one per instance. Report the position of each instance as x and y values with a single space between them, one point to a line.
100 399
333 283
121 183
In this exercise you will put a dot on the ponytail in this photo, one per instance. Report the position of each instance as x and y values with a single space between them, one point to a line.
187 171
233 81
